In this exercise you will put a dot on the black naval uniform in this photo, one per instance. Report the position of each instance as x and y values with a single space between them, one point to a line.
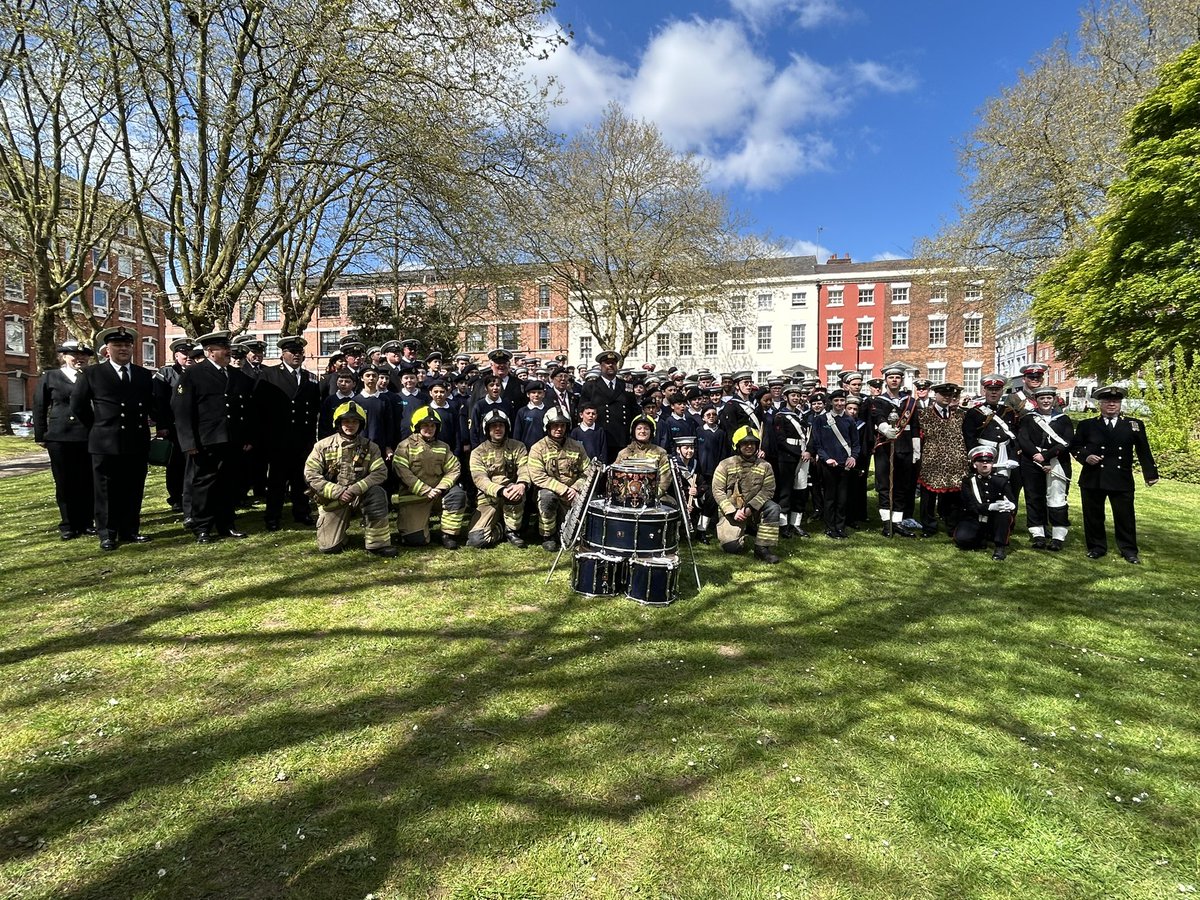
289 404
213 408
615 409
895 468
66 440
166 380
254 461
980 525
997 425
117 412
1111 478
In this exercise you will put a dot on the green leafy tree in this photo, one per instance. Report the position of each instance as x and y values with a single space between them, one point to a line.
1131 294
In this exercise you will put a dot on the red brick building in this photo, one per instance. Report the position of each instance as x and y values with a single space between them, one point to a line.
123 293
872 314
527 315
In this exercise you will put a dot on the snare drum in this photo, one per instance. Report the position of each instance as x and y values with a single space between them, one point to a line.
640 532
654 581
599 574
633 484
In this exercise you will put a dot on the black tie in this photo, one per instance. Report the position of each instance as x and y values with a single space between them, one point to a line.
124 375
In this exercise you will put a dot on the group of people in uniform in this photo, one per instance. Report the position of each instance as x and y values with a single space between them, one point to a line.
475 455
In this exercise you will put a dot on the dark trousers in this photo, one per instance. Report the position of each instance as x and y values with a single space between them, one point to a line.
1124 522
836 482
252 477
71 465
856 502
895 481
971 534
944 505
285 482
212 480
120 482
176 466
786 495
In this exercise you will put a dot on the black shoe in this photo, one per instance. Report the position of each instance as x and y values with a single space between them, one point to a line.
1132 558
108 545
189 523
307 520
90 530
550 545
1038 542
386 552
207 537
1055 545
800 532
68 535
787 532
886 531
175 506
333 551
765 554
705 538
273 525
137 538
1095 554
842 534
831 534
999 554
233 533
450 542
515 539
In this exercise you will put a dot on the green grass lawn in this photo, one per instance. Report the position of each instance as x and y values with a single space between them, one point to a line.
868 719
14 447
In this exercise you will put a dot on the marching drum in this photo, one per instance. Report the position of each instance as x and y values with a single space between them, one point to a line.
637 532
599 574
633 484
654 581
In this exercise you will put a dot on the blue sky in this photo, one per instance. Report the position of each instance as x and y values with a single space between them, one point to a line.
833 123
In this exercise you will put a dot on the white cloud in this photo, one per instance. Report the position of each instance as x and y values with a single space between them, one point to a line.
881 77
807 248
712 91
699 81
806 13
886 255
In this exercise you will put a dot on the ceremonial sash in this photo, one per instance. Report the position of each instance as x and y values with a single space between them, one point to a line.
832 420
1044 424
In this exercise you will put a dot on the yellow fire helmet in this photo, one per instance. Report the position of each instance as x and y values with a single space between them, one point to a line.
425 414
642 420
349 408
745 435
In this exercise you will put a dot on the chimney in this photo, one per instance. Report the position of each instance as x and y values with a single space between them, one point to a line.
836 261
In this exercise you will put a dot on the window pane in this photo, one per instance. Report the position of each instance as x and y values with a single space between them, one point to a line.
149 353
710 343
329 342
100 300
866 335
866 296
585 350
798 337
899 295
764 337
834 336
799 299
737 338
543 336
330 307
662 344
836 295
271 311
685 345
900 334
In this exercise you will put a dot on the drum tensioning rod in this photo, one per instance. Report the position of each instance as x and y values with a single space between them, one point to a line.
687 522
562 547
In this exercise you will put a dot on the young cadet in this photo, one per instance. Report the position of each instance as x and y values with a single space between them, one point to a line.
836 448
500 470
345 473
345 385
527 425
558 468
428 472
897 421
409 398
742 487
675 424
987 507
491 401
695 487
1044 437
856 503
588 433
793 461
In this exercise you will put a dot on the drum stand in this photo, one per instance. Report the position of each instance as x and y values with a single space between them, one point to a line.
564 546
687 522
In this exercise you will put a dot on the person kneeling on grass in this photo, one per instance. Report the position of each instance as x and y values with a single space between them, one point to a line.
987 506
743 486
345 473
428 471
500 470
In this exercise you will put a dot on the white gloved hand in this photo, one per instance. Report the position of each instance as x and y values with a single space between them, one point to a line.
889 432
916 455
994 506
1007 506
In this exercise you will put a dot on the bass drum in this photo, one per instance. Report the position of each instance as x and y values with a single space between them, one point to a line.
636 532
654 581
599 574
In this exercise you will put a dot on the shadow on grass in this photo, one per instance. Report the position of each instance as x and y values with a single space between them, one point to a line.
617 684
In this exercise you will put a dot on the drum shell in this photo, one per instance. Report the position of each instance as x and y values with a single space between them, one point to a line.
654 581
637 532
599 574
632 485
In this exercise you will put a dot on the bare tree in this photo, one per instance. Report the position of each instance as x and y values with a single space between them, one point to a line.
1037 165
632 229
267 111
60 174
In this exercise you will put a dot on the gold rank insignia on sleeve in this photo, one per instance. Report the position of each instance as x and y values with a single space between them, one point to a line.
180 389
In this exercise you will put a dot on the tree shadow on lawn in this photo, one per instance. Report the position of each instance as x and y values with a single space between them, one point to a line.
553 767
754 661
